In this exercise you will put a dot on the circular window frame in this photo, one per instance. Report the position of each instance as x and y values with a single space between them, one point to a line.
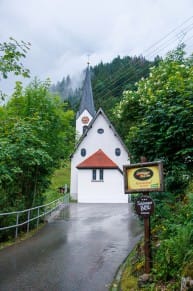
100 130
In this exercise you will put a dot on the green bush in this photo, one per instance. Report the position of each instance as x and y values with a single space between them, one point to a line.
173 253
172 233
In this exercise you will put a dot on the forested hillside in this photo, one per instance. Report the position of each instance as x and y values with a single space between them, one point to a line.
67 93
109 80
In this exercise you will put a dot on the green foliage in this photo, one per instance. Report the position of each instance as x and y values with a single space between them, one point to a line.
158 117
171 245
35 134
10 54
173 226
156 121
111 79
59 178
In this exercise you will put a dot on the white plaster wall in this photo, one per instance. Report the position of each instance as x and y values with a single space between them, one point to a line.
109 191
73 181
93 142
79 124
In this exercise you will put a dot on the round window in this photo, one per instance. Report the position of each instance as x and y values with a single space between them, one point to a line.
100 130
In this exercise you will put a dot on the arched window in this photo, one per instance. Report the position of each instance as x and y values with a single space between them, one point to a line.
83 152
117 151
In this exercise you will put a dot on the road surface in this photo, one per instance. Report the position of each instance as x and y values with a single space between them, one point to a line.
78 251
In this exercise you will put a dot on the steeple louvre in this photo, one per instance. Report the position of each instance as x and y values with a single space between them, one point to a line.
87 102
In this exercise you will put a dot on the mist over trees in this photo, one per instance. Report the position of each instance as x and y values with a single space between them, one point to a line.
65 89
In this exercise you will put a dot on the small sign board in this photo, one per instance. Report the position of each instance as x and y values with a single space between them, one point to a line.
143 177
144 206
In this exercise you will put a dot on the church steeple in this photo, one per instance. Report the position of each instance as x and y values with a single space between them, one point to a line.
87 102
87 110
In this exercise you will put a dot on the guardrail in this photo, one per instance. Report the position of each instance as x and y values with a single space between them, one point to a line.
40 211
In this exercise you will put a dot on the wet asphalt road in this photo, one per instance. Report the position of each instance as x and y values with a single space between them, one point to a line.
79 251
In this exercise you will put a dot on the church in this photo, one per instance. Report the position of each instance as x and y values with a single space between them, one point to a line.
99 156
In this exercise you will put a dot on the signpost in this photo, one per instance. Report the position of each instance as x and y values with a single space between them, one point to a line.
144 206
144 178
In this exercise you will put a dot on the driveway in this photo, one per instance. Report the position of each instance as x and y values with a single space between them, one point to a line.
80 250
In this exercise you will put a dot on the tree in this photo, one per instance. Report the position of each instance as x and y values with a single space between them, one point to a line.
159 117
35 134
10 55
111 79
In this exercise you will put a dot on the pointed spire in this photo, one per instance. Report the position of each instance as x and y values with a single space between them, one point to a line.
87 95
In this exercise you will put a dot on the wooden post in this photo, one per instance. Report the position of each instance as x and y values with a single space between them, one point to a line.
147 242
147 247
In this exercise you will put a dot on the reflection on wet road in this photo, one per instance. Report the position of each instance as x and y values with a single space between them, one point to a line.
79 251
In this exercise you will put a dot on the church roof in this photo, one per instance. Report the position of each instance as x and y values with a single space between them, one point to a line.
98 160
87 96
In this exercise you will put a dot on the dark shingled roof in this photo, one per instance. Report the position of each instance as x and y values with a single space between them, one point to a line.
87 96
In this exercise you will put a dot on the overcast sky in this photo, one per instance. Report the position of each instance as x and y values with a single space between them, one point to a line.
63 32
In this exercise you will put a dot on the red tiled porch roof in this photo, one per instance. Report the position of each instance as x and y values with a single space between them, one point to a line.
98 160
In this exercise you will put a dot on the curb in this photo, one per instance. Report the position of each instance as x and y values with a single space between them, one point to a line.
116 281
115 285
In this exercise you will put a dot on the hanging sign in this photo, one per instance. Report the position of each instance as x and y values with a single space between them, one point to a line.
144 206
143 177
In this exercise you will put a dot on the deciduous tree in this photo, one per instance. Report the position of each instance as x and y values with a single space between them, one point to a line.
159 117
35 134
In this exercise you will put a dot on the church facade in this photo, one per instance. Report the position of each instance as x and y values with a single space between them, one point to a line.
99 156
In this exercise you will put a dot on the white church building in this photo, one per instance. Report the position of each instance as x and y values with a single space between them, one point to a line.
99 156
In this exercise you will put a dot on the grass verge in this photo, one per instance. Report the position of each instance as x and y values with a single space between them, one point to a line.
59 178
124 280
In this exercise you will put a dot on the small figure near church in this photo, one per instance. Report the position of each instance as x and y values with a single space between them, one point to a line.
97 162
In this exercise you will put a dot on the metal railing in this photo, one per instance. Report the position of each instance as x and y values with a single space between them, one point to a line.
40 211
